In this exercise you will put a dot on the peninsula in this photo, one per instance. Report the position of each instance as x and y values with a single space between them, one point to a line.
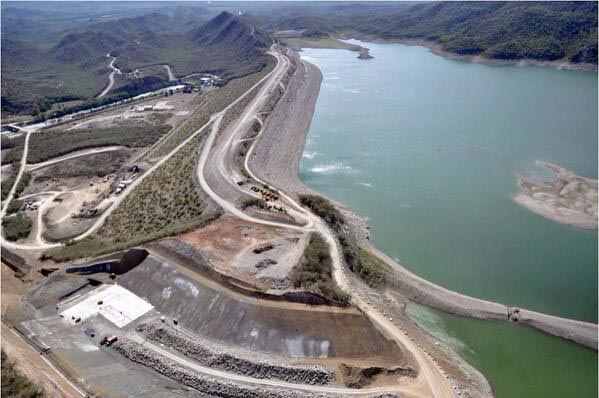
568 199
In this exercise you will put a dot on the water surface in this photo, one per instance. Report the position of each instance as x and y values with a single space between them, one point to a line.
428 149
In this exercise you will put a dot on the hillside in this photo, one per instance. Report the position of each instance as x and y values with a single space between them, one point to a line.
75 66
544 31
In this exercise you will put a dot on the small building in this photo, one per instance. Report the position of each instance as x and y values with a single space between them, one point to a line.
142 108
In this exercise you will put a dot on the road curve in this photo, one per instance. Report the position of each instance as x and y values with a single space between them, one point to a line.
117 201
430 379
11 193
110 77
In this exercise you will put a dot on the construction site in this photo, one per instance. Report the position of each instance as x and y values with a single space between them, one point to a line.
183 257
124 318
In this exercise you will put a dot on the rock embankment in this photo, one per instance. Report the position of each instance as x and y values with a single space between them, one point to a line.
229 360
280 146
218 387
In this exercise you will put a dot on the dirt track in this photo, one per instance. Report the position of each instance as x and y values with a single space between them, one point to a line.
110 77
430 379
288 126
36 367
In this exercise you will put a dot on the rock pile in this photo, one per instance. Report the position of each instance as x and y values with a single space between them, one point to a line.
208 384
229 360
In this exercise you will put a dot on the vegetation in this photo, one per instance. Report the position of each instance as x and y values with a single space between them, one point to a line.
248 202
325 210
370 269
23 183
98 165
55 143
75 65
365 265
13 147
16 227
15 384
207 104
499 30
14 206
165 203
9 181
313 272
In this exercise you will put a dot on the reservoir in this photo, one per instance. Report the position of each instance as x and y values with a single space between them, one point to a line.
428 149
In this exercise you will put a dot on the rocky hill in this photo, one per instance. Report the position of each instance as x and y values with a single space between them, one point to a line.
75 66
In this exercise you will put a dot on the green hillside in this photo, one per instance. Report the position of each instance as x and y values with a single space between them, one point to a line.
75 66
497 30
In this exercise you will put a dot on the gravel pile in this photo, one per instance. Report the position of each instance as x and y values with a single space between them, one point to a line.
244 363
206 384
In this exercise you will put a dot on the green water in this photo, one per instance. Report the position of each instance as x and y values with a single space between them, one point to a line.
428 150
519 362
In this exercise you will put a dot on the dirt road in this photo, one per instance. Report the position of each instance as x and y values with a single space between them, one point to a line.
110 77
430 379
72 155
39 369
11 194
171 76
118 200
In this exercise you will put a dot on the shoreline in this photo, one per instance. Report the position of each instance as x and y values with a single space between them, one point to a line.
299 44
437 49
294 112
567 199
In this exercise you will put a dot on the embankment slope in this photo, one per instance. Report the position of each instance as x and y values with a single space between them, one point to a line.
276 159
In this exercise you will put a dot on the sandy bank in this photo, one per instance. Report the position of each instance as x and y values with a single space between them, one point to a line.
276 159
568 199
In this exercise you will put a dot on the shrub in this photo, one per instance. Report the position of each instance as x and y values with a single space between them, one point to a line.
248 202
55 143
15 384
14 206
16 227
23 183
313 272
365 265
324 209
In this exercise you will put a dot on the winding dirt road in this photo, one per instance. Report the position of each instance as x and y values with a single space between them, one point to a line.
110 77
40 245
431 380
11 193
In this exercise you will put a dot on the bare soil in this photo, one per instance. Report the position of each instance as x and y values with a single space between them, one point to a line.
229 243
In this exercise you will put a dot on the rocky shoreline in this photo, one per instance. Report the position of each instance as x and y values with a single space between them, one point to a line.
568 199
276 158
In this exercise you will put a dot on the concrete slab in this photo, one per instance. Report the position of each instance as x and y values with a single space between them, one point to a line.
113 302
